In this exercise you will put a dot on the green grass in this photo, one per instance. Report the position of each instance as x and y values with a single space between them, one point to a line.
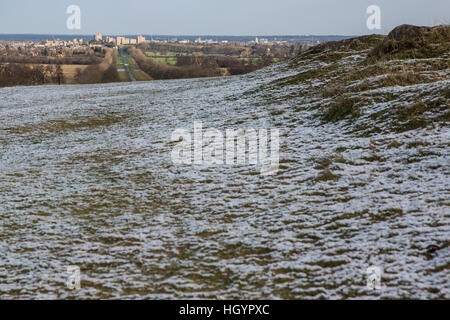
123 75
250 59
171 59
256 60
159 54
139 75
167 60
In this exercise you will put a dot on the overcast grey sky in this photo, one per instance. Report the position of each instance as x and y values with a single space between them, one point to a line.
213 17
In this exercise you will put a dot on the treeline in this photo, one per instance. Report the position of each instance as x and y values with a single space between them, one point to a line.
195 66
77 60
104 72
160 71
15 74
188 48
229 49
232 64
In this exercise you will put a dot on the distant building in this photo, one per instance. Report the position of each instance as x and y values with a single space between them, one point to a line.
141 39
122 41
119 41
98 37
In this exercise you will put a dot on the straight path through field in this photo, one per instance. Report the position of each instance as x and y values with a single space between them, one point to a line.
127 67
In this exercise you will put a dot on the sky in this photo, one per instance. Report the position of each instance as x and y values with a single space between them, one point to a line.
213 17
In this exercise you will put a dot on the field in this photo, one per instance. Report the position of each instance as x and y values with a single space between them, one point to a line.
168 58
134 68
70 71
256 60
171 59
359 180
123 74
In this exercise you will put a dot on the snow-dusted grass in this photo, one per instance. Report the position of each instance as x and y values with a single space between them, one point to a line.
87 180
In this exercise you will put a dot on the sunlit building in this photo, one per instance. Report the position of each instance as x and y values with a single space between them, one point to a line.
141 39
98 37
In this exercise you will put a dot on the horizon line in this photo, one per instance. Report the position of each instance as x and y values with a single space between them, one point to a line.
191 35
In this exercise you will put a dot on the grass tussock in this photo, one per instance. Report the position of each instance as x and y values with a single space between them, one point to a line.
446 93
333 89
325 165
327 175
421 114
342 108
411 112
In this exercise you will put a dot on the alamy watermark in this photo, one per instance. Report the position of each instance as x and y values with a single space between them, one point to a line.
374 19
374 278
74 278
234 146
73 22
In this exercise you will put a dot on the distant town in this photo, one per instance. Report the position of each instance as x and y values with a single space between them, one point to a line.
180 38
63 59
141 39
40 42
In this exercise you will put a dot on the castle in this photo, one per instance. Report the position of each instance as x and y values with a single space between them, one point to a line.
120 41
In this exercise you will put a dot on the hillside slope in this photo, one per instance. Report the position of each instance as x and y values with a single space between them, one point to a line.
88 180
371 84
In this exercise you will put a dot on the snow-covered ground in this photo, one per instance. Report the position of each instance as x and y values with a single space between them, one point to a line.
87 180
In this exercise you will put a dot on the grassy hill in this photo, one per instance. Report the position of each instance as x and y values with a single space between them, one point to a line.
372 83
